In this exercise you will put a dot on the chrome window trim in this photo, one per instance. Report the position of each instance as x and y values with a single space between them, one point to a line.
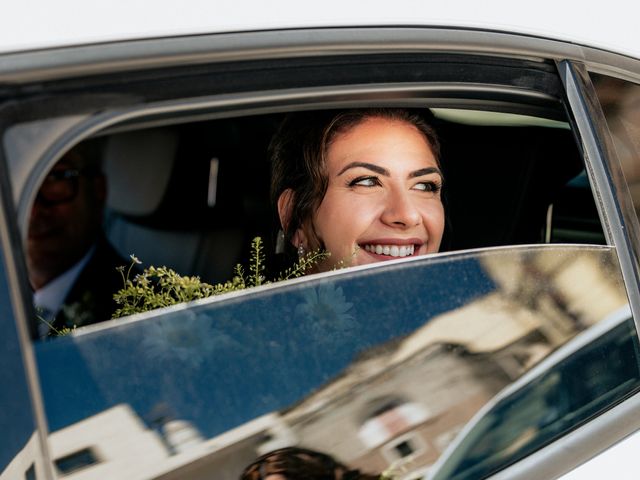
82 60
579 446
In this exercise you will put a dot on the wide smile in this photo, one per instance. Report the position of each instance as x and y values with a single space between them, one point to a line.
387 250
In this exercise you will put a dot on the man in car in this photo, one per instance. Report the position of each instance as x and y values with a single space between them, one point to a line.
72 267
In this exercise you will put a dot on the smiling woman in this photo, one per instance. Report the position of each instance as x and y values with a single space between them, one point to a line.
364 185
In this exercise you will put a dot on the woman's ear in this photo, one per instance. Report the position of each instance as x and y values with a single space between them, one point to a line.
285 209
285 206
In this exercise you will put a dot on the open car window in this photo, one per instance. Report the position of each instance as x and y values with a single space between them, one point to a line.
193 196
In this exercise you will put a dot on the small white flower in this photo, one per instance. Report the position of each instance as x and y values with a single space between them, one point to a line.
326 304
185 336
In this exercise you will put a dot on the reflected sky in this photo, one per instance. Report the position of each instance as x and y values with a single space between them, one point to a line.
16 421
222 364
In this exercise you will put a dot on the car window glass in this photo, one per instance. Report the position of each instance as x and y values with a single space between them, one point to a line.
378 368
620 100
19 445
564 394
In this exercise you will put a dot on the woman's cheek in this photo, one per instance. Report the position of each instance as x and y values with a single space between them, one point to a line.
435 221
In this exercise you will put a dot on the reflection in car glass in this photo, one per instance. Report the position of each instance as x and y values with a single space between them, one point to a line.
567 389
379 368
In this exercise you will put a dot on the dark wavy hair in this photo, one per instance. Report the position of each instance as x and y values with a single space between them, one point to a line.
295 463
298 153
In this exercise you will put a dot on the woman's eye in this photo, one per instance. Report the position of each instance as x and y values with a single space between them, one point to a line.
431 187
364 182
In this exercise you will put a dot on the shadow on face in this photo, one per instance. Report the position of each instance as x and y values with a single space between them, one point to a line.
65 218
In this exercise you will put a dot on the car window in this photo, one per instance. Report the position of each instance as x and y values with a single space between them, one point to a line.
620 101
564 391
180 196
20 455
377 366
169 219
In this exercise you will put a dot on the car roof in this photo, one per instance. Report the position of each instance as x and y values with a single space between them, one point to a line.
34 25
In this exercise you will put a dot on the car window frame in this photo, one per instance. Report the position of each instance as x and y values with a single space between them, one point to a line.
621 225
604 170
13 273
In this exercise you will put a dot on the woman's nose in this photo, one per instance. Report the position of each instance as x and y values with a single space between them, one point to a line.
400 210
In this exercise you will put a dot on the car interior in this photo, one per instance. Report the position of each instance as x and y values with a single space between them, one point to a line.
188 169
191 196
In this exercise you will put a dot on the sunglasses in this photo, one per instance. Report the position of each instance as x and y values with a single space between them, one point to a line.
61 186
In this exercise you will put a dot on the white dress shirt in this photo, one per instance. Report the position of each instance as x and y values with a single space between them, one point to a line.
48 300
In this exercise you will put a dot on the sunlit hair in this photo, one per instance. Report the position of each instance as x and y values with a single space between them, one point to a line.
295 463
298 154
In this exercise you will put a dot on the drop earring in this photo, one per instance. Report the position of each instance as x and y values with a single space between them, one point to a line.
301 250
280 242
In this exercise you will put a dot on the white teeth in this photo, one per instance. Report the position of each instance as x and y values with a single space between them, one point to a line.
391 250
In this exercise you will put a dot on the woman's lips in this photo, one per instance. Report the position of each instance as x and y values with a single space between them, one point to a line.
386 249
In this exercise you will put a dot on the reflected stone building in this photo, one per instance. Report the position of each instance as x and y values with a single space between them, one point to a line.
397 404
403 402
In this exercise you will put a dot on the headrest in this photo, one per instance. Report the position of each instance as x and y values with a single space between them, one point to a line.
138 167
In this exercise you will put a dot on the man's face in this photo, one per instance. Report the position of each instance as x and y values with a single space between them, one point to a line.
65 219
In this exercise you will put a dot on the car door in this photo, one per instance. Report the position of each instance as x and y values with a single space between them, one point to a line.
23 450
379 366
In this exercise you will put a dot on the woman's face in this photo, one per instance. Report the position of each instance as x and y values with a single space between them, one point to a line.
383 196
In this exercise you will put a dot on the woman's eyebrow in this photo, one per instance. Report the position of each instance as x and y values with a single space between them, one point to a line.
369 166
425 171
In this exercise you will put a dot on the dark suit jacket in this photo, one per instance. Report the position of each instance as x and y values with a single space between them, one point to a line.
90 299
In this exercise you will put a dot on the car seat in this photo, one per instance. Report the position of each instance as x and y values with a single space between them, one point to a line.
163 206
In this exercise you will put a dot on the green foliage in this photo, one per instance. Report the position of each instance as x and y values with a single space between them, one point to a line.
54 331
256 267
302 266
158 287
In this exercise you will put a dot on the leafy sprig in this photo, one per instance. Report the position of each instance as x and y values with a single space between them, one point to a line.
57 332
158 287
